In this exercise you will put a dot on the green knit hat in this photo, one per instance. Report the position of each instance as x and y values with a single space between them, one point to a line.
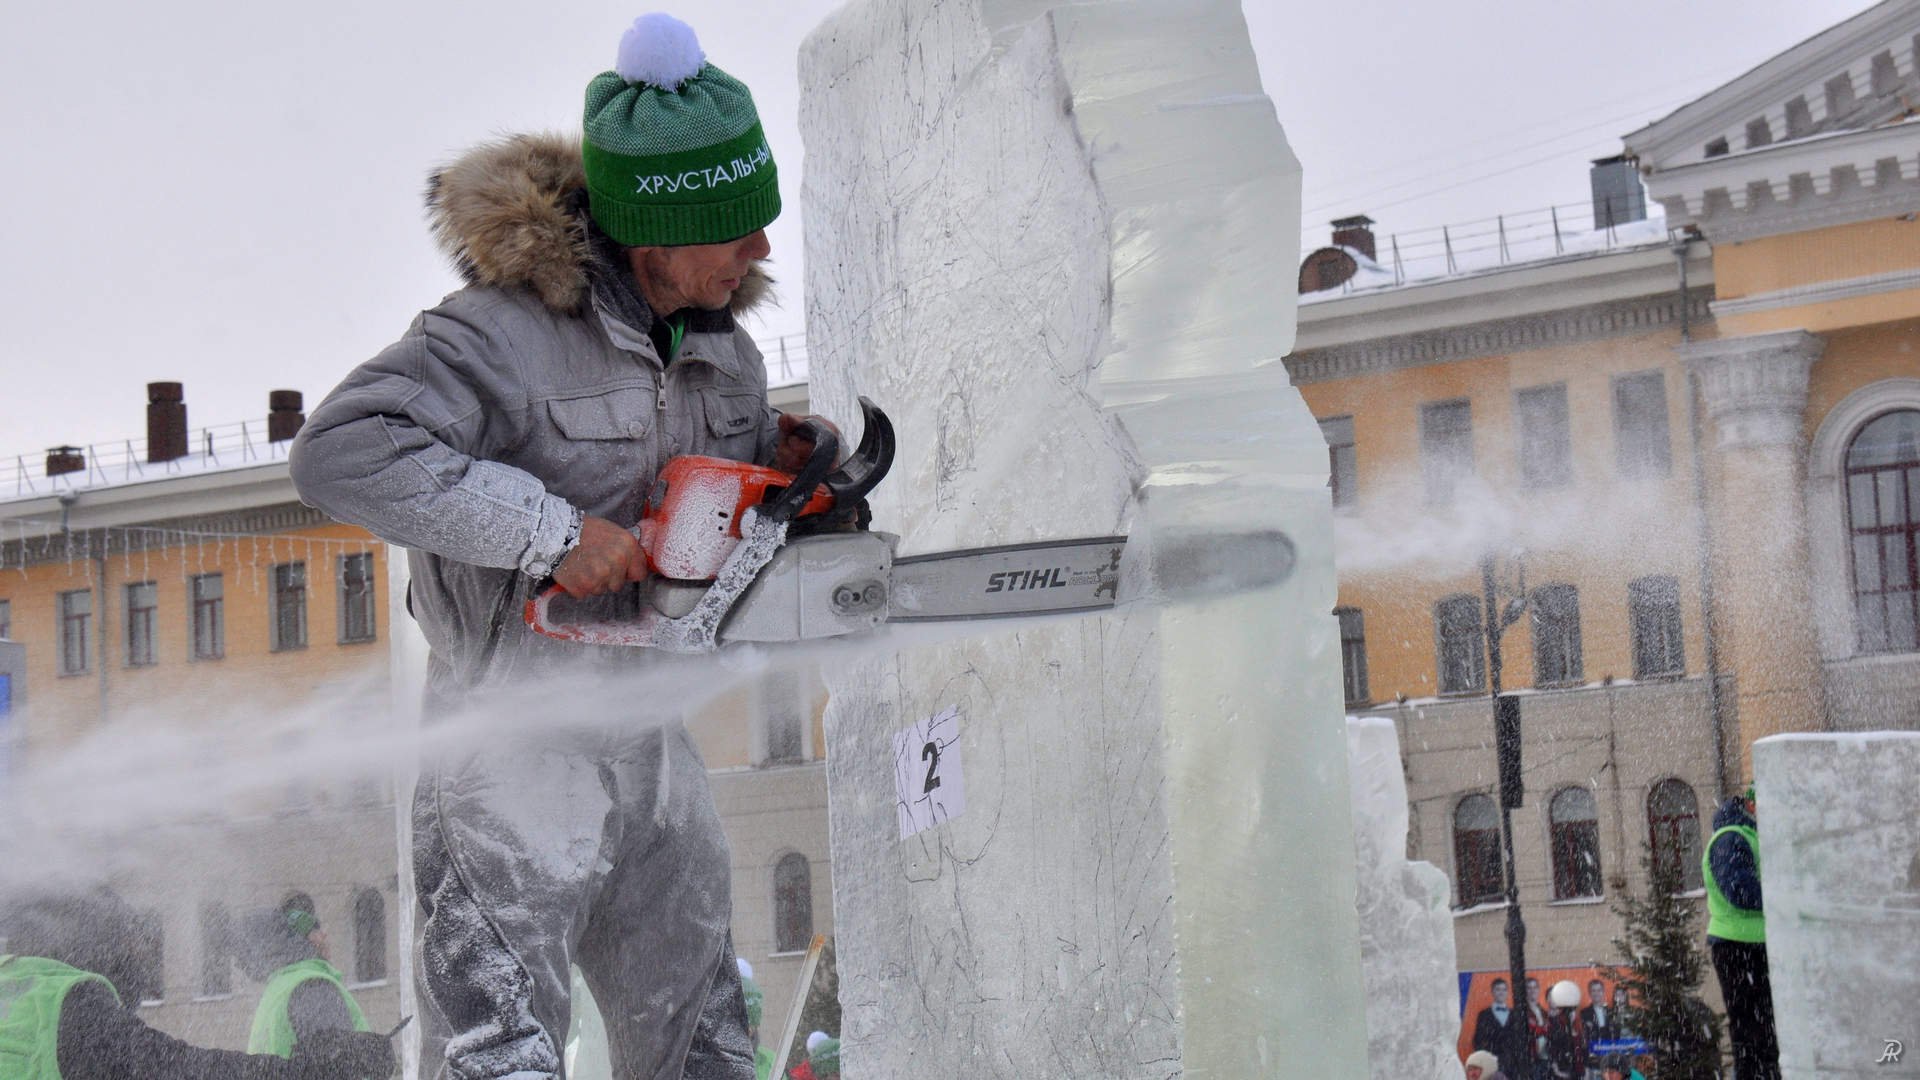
751 991
674 152
824 1055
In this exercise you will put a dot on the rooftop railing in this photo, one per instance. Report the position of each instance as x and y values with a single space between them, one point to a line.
234 445
1475 247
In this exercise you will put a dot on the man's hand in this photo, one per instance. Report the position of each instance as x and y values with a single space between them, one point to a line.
790 454
605 560
343 1055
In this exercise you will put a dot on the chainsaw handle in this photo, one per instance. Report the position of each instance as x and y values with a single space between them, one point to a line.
820 463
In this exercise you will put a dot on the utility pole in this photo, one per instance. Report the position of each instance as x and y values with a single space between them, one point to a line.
1506 741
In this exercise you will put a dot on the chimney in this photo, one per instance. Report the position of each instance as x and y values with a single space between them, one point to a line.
166 422
1617 195
62 460
285 413
1355 232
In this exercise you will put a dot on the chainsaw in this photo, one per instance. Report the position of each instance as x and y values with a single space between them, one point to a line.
745 553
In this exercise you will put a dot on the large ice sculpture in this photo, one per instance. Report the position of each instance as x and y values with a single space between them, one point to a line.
1840 870
1406 927
1057 244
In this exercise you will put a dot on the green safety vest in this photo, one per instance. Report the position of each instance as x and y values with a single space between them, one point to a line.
762 1063
31 993
1724 920
272 1022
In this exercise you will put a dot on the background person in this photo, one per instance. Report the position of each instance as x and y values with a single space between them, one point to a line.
305 994
65 956
1737 936
1482 1065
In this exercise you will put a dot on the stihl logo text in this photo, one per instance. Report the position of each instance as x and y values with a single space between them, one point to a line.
1017 580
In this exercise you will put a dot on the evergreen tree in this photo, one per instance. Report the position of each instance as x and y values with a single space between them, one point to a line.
1665 945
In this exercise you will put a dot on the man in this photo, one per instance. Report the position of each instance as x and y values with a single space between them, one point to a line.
1537 1028
1482 1065
62 1016
511 436
1597 1019
1566 1054
1737 936
1500 1030
305 994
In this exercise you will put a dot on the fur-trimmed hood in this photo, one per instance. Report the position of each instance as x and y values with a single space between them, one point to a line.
513 213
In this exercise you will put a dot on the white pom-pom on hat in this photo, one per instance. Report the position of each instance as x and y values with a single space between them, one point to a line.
746 969
816 1039
659 50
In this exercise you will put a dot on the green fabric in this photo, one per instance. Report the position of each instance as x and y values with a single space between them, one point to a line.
273 1021
31 993
686 166
748 988
762 1063
1724 920
825 1059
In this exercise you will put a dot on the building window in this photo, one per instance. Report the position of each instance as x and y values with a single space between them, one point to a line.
1353 654
1642 445
369 936
149 947
76 619
1653 607
1343 473
143 599
1883 524
1446 448
289 606
785 718
792 903
1575 829
1546 442
1556 636
216 950
1463 649
6 619
356 598
1673 829
1476 851
209 617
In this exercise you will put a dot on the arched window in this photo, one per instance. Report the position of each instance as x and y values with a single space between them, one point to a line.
792 903
369 936
1883 526
1575 829
1673 829
1476 851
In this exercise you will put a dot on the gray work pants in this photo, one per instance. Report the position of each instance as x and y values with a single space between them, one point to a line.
598 850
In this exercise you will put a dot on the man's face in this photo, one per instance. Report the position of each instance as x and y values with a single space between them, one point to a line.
318 939
1473 1072
1619 997
1500 994
1596 993
702 276
1533 990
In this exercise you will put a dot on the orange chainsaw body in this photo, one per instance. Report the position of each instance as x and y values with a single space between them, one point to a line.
691 523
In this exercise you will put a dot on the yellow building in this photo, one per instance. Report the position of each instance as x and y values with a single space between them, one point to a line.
1690 454
204 666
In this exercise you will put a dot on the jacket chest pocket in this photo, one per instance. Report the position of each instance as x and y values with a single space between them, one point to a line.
602 450
624 414
731 423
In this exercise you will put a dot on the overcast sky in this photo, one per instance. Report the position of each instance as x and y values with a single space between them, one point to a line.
228 194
